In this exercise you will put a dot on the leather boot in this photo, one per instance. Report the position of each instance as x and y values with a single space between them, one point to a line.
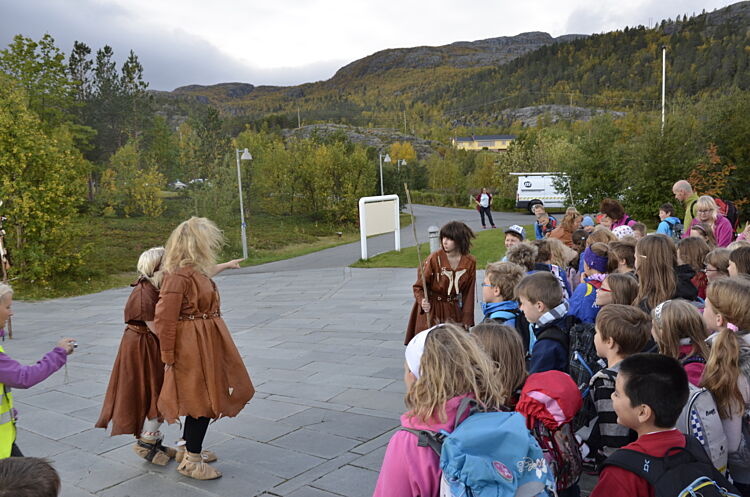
192 466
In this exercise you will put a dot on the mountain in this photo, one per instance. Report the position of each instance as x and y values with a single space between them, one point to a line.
480 82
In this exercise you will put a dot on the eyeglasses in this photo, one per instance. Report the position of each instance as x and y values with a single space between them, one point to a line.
487 285
704 211
706 270
608 290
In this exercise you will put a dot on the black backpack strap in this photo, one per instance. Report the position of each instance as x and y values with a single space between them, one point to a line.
467 405
556 334
426 438
692 360
647 467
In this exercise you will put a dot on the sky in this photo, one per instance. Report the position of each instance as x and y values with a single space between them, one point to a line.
288 42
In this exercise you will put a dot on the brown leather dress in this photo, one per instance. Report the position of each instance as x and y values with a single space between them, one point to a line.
450 292
207 376
137 373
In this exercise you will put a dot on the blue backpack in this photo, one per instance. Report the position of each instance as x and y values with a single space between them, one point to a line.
489 454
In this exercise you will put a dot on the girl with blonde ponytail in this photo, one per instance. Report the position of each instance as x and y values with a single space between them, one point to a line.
728 368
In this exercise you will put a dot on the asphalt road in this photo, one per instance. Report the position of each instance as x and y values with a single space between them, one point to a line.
425 215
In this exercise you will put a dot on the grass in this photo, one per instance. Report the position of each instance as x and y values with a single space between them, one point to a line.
487 247
116 243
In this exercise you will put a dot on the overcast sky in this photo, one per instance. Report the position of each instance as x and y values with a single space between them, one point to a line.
287 42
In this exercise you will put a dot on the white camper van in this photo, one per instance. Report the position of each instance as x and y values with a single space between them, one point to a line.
539 188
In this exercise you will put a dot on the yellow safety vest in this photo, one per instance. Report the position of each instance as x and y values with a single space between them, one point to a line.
7 420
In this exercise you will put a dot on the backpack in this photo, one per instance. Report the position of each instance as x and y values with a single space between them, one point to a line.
676 229
488 454
681 472
700 419
550 400
729 211
562 453
520 323
583 362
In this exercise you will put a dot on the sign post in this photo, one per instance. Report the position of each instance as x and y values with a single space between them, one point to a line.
379 215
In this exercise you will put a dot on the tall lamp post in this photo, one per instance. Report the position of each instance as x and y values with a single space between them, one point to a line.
383 158
245 156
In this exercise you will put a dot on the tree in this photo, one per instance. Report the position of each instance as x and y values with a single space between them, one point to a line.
79 69
42 184
40 69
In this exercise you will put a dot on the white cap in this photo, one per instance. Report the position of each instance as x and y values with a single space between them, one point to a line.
414 351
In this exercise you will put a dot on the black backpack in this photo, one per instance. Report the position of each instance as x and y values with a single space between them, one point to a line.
521 324
677 229
681 472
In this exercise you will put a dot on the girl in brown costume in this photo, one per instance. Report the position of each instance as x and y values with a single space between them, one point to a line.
450 273
204 376
138 372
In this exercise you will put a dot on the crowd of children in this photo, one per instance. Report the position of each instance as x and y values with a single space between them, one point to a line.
640 323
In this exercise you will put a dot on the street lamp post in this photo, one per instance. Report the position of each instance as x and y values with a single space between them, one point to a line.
383 158
245 156
401 162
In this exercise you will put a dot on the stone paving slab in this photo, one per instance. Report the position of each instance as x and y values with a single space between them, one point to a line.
328 370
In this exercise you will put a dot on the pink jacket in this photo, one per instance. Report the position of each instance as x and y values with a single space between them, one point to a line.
621 222
723 231
694 370
409 470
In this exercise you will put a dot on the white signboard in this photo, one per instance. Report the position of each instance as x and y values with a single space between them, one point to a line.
379 215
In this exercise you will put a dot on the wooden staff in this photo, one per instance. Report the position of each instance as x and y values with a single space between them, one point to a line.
4 264
419 254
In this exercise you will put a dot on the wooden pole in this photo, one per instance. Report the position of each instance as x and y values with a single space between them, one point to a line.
419 253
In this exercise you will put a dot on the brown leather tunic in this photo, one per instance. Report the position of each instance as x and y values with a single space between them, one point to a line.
207 376
444 284
137 373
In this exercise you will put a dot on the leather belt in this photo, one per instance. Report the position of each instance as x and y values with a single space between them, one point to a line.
447 299
192 317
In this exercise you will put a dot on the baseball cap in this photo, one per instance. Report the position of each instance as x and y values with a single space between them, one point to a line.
518 230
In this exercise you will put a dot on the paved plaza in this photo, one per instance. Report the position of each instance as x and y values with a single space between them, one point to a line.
323 346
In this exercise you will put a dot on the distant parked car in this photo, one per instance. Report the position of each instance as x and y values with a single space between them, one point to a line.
539 188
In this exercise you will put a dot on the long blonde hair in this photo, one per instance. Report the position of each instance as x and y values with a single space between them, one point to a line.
149 265
561 253
194 242
452 364
729 297
677 319
656 258
504 346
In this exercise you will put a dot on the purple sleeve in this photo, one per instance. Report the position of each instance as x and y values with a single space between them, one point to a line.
16 375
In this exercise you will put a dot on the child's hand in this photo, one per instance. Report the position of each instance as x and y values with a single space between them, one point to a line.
426 305
67 344
233 264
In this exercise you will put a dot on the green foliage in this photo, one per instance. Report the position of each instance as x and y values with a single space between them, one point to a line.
42 182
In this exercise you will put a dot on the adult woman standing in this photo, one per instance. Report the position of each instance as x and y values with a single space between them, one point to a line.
615 213
204 376
484 206
707 212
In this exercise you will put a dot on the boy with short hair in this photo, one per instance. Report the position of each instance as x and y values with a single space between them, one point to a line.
542 303
498 295
650 392
545 223
669 222
28 477
514 234
621 331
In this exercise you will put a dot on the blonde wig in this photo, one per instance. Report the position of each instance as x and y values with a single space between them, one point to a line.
149 265
194 242
452 364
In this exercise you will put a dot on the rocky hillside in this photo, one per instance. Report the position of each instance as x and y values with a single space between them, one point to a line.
462 54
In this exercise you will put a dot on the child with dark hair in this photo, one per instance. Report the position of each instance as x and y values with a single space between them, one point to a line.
621 331
28 477
450 273
739 261
583 302
650 393
669 222
541 301
692 251
621 256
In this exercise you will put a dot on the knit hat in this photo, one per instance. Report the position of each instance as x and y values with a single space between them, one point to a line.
595 261
517 230
623 231
587 221
415 349
551 397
